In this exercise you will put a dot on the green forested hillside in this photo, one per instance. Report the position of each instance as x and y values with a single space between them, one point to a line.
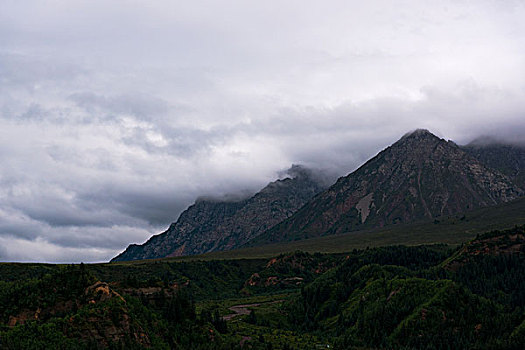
474 299
395 297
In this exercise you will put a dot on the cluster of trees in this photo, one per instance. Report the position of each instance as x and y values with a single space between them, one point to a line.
424 297
60 313
67 283
409 297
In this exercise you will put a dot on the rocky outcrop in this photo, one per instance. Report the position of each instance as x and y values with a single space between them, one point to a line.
419 177
289 270
210 225
507 158
105 318
99 292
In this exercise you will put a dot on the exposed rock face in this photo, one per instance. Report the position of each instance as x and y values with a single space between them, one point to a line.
210 225
98 326
287 270
420 176
100 291
507 158
103 322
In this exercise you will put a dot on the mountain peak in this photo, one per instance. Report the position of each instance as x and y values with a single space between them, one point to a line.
419 177
483 141
418 146
223 223
297 171
492 141
418 134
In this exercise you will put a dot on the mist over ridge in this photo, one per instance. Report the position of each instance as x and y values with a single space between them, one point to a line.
115 118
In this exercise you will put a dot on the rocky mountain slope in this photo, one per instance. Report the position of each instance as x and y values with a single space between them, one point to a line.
419 177
210 225
505 157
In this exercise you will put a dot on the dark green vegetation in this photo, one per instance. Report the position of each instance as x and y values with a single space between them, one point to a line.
421 297
393 299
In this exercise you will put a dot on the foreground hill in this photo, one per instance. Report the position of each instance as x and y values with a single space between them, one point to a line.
419 177
389 301
396 297
211 225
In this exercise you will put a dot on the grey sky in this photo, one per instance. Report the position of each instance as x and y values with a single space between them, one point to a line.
115 115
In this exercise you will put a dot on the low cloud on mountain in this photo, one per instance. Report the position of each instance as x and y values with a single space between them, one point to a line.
116 116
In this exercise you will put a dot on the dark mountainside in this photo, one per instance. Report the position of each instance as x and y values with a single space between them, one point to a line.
507 158
419 177
211 225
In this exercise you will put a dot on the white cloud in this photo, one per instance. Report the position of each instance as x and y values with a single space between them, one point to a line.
116 115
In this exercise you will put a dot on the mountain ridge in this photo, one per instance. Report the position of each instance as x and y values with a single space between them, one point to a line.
418 176
211 224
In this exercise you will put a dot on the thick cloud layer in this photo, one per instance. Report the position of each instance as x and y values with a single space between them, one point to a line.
114 116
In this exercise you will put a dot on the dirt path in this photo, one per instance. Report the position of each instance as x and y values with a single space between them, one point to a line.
243 309
239 310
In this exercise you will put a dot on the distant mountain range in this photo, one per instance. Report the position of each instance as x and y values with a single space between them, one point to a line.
211 224
419 177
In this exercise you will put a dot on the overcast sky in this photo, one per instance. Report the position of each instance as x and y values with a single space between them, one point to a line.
115 115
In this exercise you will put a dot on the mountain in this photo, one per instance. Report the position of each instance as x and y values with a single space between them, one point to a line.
210 225
506 157
419 177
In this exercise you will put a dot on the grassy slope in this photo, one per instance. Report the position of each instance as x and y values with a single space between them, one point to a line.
451 230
